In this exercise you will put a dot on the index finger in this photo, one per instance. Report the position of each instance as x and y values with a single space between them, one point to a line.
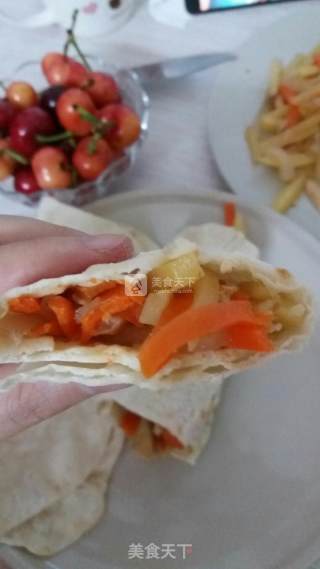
14 229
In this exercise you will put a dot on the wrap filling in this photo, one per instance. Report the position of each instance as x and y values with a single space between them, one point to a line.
188 308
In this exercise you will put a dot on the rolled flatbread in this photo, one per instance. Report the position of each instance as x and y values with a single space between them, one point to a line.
64 521
155 424
227 286
48 461
176 423
202 306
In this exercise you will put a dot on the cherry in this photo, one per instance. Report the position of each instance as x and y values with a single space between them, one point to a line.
25 128
92 157
60 69
102 88
25 181
51 169
7 113
21 94
69 108
49 98
126 129
7 163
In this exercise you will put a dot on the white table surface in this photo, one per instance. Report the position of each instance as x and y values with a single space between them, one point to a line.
176 154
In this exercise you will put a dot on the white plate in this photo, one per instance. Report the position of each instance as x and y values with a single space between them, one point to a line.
238 93
253 500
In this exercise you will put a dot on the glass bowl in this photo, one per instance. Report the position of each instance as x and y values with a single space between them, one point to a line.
133 95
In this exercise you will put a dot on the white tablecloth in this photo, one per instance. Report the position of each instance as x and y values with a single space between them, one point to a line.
177 154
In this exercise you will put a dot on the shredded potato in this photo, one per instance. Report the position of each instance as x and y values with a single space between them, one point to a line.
289 194
275 77
313 193
285 136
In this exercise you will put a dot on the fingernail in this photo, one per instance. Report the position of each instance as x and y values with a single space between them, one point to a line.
96 389
119 245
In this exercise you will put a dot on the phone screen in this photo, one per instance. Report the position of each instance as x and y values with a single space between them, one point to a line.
208 5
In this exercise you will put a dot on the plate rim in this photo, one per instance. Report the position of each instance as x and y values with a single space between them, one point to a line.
290 226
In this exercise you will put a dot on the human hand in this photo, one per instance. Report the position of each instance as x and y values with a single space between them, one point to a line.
31 250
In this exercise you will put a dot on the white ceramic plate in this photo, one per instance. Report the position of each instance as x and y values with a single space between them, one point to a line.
253 500
237 95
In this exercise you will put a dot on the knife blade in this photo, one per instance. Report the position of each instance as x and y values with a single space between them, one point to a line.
180 67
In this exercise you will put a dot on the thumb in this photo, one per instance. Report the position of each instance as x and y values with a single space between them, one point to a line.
32 260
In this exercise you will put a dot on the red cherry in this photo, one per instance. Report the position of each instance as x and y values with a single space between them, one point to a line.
26 126
25 181
7 113
51 169
68 113
60 69
49 98
91 157
102 88
126 129
48 60
21 94
7 164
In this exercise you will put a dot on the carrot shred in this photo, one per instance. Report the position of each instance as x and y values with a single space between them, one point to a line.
25 305
119 291
129 423
192 324
180 302
263 319
46 329
229 213
112 302
248 337
132 314
293 116
90 324
64 311
240 295
286 93
170 440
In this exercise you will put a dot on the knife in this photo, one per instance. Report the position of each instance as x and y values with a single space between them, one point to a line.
180 67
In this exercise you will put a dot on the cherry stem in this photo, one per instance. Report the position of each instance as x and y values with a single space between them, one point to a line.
87 116
74 177
101 127
45 139
72 142
16 156
92 146
71 40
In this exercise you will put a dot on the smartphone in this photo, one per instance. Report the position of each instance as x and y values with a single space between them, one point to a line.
203 6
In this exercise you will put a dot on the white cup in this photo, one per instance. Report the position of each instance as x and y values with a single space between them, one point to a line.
96 17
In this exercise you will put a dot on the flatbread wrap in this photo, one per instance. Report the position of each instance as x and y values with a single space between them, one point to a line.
155 425
49 461
202 307
65 520
178 423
